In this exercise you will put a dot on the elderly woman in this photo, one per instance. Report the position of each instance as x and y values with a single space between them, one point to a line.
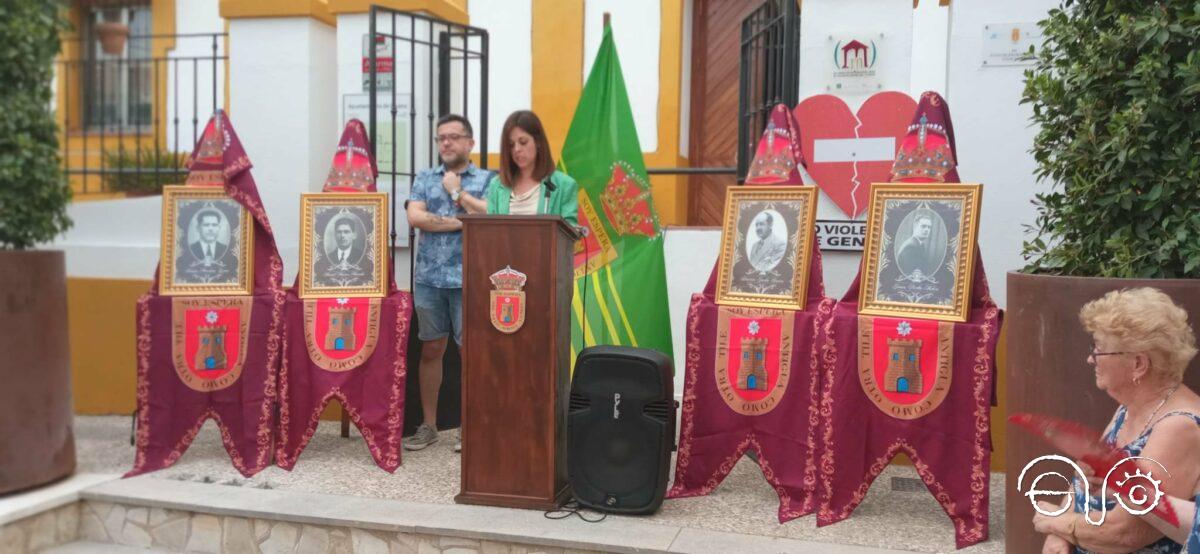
1142 344
528 184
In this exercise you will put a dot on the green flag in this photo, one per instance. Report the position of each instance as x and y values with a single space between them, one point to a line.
620 278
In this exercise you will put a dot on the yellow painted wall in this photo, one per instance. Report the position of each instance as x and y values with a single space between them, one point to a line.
101 319
558 83
70 102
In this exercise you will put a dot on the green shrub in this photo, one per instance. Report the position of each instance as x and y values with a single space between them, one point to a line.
144 172
1116 95
33 192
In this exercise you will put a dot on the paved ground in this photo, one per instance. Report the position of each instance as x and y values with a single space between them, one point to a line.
744 503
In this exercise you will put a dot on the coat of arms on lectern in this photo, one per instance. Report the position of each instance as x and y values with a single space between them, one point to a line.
508 300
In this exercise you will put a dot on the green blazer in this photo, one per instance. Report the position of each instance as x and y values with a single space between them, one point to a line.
563 201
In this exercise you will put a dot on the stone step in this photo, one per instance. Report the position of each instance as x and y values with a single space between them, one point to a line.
213 517
87 547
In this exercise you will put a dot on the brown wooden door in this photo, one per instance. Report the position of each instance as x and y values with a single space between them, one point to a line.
716 47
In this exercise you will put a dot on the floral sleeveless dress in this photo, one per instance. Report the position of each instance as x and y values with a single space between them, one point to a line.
1134 448
1193 542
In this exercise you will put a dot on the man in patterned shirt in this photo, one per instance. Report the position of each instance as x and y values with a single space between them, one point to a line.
439 196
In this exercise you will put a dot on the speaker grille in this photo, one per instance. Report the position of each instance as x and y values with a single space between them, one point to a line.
579 403
659 410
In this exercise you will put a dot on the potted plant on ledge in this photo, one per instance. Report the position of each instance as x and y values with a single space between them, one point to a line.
36 440
1115 93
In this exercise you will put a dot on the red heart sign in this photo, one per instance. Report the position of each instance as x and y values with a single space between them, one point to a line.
845 152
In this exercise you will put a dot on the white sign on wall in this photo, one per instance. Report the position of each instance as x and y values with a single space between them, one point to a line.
385 77
854 61
1008 44
841 235
391 139
391 143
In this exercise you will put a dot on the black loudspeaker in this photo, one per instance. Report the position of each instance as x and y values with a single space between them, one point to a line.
621 429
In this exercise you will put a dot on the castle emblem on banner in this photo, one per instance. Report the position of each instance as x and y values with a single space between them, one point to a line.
752 373
626 201
905 366
508 300
754 364
341 333
208 340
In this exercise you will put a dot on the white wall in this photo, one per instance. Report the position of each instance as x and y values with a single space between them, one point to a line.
510 74
822 24
993 131
191 88
282 107
690 255
637 30
931 37
113 239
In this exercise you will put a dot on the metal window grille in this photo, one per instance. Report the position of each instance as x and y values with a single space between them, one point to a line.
769 72
437 67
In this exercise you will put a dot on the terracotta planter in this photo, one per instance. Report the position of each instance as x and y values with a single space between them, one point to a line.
1047 373
37 444
112 37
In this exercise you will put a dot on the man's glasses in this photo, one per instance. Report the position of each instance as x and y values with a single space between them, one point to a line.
451 138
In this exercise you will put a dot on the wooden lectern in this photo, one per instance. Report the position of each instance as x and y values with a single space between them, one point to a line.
515 385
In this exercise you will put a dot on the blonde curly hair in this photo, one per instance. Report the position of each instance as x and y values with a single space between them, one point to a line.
1144 320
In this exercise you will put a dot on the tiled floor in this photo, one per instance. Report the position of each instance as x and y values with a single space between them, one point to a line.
744 503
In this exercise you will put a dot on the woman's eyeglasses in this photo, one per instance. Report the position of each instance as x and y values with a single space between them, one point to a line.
1096 353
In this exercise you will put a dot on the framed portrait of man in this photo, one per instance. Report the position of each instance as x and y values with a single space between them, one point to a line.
919 254
766 244
343 246
207 244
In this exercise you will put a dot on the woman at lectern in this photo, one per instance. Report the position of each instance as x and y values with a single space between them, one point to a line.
527 183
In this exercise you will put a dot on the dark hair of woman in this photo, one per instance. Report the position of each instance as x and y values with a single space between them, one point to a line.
543 166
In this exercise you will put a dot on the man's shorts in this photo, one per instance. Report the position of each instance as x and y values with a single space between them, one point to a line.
438 312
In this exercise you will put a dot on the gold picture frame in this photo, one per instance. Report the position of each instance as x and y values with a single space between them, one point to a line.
331 268
769 267
207 244
919 255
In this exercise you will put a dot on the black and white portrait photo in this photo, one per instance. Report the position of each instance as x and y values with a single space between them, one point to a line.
763 256
344 243
767 245
919 248
342 255
920 244
205 243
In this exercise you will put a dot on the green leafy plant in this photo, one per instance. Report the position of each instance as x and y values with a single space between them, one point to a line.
1116 96
33 192
144 172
